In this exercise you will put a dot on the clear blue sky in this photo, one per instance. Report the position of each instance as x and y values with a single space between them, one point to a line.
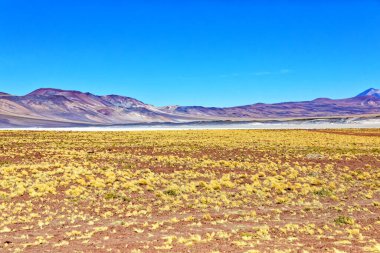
196 52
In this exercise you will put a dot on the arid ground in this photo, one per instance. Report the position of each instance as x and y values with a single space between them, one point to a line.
190 191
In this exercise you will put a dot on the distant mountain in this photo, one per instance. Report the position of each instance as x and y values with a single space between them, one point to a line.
55 107
370 92
65 107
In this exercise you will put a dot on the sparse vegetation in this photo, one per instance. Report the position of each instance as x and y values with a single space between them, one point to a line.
190 191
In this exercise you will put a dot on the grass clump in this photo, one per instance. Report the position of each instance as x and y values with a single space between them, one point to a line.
344 220
323 192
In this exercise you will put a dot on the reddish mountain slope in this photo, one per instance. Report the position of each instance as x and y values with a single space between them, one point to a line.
64 107
322 107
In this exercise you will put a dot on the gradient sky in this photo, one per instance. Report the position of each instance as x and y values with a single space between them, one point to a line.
198 52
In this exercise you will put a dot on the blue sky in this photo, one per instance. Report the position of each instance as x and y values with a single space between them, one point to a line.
199 52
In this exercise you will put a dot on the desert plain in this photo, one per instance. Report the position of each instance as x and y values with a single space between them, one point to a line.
313 190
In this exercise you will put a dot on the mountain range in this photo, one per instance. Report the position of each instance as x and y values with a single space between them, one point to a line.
47 107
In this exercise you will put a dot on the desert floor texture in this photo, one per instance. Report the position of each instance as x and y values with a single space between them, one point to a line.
190 191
